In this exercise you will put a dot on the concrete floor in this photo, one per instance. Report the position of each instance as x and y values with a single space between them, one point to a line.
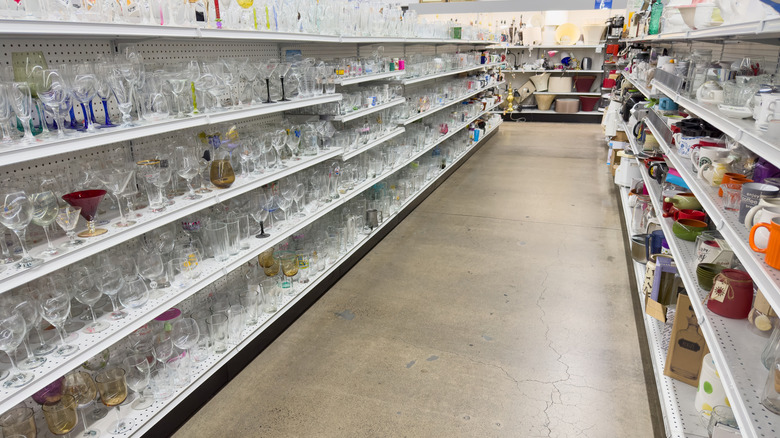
500 307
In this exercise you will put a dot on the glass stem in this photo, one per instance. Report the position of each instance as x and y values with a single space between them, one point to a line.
268 89
86 118
113 303
21 235
30 354
27 130
13 369
40 336
105 112
63 335
191 189
4 247
92 311
119 206
6 130
91 113
72 236
84 420
48 240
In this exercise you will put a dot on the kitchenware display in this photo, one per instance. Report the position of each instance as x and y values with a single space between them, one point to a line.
751 195
706 273
688 229
732 294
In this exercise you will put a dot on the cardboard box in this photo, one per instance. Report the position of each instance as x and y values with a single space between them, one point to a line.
687 346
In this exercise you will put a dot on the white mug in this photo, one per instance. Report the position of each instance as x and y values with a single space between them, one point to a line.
713 172
769 107
703 155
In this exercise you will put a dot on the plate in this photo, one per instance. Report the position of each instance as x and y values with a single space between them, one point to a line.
735 112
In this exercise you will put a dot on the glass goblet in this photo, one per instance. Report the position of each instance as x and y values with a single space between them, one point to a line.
88 200
12 331
138 373
86 292
82 388
110 282
67 218
55 308
16 213
113 391
116 182
45 210
134 294
29 311
21 104
151 267
61 415
259 207
289 262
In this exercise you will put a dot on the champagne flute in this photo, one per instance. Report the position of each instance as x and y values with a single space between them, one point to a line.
21 104
113 391
29 311
67 218
82 388
89 294
16 213
12 331
61 415
138 373
55 307
6 114
45 211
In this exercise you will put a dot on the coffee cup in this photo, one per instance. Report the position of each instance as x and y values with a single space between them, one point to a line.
762 215
751 195
704 154
772 248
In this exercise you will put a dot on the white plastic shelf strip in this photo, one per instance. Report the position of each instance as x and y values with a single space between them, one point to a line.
574 72
453 102
734 348
639 86
364 112
372 77
549 46
449 73
394 133
754 30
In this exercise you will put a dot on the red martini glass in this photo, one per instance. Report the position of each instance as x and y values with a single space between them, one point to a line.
88 200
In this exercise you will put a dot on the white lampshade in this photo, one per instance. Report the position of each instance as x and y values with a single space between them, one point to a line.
556 18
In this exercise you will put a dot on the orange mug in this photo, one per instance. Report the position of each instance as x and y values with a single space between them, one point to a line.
736 178
772 249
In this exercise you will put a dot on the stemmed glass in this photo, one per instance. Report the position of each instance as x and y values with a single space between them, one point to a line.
259 205
83 85
82 388
185 334
134 294
16 212
122 87
103 73
54 93
282 70
177 82
87 293
187 167
298 193
55 308
267 70
113 391
285 197
67 218
138 375
45 211
6 114
29 311
61 415
12 331
289 262
110 282
21 103
163 348
88 200
162 176
151 267
278 140
116 182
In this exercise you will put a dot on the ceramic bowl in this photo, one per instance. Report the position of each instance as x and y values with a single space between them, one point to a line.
706 273
688 229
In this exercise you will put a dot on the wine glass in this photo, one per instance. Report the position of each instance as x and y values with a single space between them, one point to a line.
110 281
259 205
61 415
54 304
160 179
29 311
138 373
87 293
122 87
54 94
116 181
185 334
187 167
21 104
88 200
45 210
177 81
163 348
134 294
16 212
297 195
12 331
82 388
103 72
6 114
278 141
282 70
67 218
289 262
131 190
83 87
151 267
113 391
266 71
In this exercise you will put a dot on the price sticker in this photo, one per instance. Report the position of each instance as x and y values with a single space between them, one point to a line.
598 49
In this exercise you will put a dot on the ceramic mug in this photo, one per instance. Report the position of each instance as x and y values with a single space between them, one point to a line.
704 154
752 194
713 172
654 243
732 294
761 215
763 202
770 104
772 249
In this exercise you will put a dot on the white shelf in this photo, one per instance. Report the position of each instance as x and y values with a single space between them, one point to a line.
364 112
677 398
753 30
538 111
742 130
394 133
453 102
568 93
371 77
735 349
448 73
75 142
12 277
549 46
638 85
555 71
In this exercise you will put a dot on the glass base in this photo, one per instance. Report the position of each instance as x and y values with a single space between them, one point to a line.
28 263
66 350
31 363
122 426
72 244
116 316
262 235
90 433
95 327
3 374
156 294
18 380
97 232
124 224
142 403
192 197
203 190
42 350
49 252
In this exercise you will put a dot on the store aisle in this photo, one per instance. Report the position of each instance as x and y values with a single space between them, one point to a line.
499 307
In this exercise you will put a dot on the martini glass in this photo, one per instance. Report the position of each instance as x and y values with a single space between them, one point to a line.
267 70
88 200
116 182
282 69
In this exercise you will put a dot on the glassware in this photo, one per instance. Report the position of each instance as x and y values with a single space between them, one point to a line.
218 332
188 167
54 94
29 311
267 69
271 295
185 334
6 114
116 181
67 218
113 391
282 70
289 263
250 299
55 307
221 171
88 201
82 388
18 421
260 205
16 212
45 210
151 267
21 104
110 282
12 332
138 373
87 293
134 294
83 87
218 240
61 415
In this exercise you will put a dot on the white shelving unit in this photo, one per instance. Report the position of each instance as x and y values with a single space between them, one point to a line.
416 80
562 71
754 30
568 93
366 111
371 77
453 102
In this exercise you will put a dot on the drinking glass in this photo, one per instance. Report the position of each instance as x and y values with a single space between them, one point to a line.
271 295
113 391
259 206
29 311
297 194
289 262
21 104
151 267
83 87
185 334
18 421
282 70
61 415
88 200
162 348
235 323
267 69
187 166
122 88
234 235
138 373
218 331
134 293
55 307
88 293
250 300
67 218
116 181
54 94
177 81
82 388
6 114
45 210
218 240
16 212
12 331
110 281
